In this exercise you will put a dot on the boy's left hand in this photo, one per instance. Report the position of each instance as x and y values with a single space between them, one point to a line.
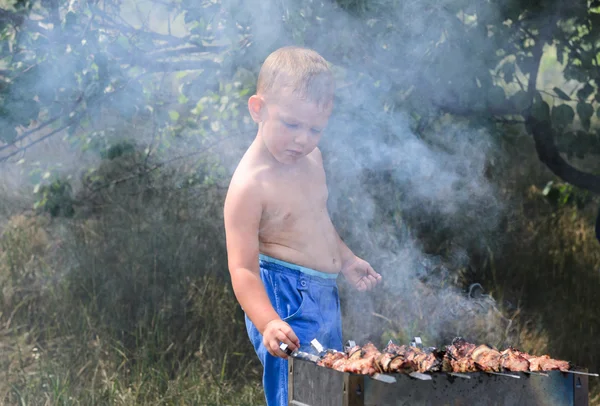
360 274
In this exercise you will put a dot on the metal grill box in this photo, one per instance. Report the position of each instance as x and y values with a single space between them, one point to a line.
312 385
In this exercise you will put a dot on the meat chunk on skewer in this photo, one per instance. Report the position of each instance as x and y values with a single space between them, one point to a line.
355 360
513 360
408 359
331 358
486 359
545 363
458 355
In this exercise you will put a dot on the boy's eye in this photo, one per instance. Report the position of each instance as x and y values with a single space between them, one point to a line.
288 125
316 130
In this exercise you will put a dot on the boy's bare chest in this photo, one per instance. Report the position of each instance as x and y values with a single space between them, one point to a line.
291 199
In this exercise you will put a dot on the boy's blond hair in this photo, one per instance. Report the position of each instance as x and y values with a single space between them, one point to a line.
302 70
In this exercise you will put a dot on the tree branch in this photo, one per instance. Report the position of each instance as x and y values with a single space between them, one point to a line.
160 66
146 171
23 149
543 135
548 153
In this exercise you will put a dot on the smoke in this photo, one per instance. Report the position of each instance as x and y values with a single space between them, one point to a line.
390 185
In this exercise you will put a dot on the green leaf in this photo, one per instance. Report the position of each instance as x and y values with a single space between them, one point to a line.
520 100
496 96
182 99
585 112
174 115
585 92
561 94
562 115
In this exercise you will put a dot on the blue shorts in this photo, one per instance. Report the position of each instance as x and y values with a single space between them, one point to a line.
308 301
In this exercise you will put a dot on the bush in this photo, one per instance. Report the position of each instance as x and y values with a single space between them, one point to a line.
127 303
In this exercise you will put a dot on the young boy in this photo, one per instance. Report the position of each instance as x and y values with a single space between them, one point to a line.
284 253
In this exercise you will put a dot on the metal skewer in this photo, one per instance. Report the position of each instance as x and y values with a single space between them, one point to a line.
384 378
459 375
536 373
581 373
503 374
420 376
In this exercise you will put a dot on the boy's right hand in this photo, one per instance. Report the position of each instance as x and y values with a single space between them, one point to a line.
278 332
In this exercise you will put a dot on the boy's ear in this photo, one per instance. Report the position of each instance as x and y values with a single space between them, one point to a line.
256 105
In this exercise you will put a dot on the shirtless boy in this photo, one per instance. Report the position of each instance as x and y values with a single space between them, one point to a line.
284 253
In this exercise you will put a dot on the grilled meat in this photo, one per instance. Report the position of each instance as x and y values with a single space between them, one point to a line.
545 363
513 360
461 356
383 361
356 360
329 359
354 352
458 355
486 358
408 359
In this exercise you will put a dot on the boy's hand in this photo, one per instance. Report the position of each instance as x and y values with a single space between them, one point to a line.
277 332
360 274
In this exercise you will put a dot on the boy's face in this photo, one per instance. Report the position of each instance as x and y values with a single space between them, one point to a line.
291 127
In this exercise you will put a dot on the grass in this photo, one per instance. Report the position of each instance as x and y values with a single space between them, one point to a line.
127 308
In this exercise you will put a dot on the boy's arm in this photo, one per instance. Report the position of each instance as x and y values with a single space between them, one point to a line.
242 213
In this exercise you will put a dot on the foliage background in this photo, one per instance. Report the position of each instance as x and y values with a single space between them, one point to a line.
461 159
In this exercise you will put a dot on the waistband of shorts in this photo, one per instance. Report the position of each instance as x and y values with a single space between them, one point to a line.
302 269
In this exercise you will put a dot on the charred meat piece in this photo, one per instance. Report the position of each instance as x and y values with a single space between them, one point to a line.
355 360
369 349
330 358
354 352
545 363
411 359
458 355
486 359
400 365
365 364
464 364
393 348
513 360
423 360
383 361
460 348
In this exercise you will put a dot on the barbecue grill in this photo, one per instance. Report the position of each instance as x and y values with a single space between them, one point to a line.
313 385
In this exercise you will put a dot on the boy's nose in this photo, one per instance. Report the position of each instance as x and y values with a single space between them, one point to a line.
301 138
